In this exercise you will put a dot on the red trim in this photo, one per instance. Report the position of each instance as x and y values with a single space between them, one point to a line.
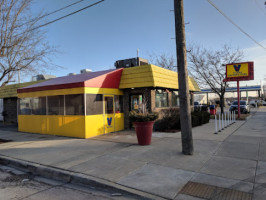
51 87
108 80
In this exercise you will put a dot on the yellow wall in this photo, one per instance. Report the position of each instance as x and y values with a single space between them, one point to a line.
95 124
80 90
119 121
71 126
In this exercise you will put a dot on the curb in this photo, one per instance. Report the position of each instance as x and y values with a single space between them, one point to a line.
74 178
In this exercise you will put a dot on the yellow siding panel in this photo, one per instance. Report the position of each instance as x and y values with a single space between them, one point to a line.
70 126
94 125
119 121
80 90
103 91
32 124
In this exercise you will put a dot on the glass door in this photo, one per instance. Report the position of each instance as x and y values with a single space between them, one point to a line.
109 114
136 102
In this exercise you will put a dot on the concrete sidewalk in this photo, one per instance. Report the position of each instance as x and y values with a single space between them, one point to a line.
230 163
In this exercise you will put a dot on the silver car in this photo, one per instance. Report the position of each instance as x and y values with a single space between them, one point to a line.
244 107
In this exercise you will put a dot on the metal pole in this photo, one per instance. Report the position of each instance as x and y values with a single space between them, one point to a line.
225 120
181 54
216 131
238 99
220 123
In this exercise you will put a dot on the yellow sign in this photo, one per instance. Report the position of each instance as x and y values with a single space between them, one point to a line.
237 70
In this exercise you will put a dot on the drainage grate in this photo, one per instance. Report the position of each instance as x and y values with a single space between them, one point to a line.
213 193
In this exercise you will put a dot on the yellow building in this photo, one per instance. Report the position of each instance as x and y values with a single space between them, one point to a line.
91 104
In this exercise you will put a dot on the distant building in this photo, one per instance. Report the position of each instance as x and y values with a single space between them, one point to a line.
246 93
9 98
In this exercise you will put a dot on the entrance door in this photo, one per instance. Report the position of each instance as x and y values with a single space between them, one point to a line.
109 114
136 102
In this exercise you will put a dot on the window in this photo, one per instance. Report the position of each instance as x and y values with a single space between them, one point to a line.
55 105
38 106
109 105
175 99
161 99
74 104
94 104
118 104
25 106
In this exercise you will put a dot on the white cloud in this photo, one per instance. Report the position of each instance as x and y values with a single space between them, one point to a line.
258 55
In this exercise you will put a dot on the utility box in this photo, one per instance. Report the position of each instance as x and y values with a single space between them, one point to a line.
132 62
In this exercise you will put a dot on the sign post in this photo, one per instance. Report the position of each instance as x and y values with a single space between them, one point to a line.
239 72
238 100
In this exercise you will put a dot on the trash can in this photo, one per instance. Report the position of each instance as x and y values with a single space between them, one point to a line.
212 110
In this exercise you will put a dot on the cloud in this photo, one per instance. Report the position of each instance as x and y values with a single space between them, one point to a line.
258 55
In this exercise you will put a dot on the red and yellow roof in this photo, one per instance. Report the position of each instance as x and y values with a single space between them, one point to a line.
134 77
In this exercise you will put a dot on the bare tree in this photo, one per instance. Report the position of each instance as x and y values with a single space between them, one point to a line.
208 67
163 60
22 47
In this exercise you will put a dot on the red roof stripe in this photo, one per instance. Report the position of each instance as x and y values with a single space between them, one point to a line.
100 79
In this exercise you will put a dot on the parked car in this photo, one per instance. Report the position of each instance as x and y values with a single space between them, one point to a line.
204 107
253 103
197 106
263 103
244 107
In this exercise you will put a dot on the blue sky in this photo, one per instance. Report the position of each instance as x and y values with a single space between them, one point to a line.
95 38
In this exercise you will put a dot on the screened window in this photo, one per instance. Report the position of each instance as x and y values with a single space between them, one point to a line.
25 106
38 106
175 99
118 104
94 104
55 105
161 99
74 104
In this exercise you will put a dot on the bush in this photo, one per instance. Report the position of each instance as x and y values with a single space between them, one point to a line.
171 120
195 120
142 117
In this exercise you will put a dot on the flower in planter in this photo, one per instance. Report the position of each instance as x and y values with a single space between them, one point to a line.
142 117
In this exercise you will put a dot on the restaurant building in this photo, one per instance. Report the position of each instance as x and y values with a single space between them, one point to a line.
95 103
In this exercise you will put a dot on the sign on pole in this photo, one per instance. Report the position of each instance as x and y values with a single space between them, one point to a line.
239 72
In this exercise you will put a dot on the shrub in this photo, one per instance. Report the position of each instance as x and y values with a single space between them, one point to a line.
171 120
195 120
142 117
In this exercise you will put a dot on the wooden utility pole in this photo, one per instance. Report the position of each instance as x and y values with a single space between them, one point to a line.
181 54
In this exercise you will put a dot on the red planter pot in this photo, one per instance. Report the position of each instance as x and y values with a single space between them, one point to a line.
144 132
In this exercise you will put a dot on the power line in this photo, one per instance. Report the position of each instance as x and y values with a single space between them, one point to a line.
53 12
89 6
260 8
232 22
